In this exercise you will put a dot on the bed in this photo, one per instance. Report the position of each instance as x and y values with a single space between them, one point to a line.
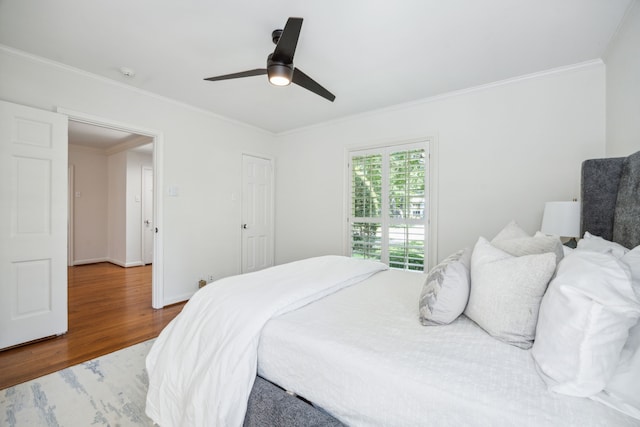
348 348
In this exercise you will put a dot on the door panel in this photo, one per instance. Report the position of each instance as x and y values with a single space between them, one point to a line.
33 224
31 283
257 214
31 207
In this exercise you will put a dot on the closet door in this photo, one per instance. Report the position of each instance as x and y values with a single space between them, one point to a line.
257 213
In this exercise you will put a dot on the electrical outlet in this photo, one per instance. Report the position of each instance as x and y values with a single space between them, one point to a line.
210 278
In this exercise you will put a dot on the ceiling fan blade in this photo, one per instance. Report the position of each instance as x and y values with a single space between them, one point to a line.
301 79
286 47
249 73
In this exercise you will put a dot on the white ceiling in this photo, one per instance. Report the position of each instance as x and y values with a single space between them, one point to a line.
104 139
97 137
370 53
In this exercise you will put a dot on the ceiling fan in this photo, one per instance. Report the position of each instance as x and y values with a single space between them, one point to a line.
280 69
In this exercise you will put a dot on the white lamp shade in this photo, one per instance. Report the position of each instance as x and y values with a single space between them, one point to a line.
561 219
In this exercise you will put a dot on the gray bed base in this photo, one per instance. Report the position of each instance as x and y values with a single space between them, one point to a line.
269 405
610 193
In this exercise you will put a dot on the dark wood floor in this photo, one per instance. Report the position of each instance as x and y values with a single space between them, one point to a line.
109 309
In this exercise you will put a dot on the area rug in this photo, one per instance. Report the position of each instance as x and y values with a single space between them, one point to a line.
108 391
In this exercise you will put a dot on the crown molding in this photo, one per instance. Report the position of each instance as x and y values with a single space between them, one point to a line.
412 104
102 79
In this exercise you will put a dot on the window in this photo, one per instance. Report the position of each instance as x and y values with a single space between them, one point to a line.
389 205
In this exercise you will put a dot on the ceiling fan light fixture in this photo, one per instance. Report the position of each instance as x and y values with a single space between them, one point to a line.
279 74
279 81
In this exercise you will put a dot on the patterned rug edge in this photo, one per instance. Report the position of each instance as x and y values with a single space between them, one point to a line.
106 391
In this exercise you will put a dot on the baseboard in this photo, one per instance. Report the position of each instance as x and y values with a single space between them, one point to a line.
90 261
125 264
134 264
178 298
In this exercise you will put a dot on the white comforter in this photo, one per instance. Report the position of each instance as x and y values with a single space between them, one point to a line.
362 355
202 366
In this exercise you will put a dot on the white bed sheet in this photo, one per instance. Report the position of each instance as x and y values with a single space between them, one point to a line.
362 355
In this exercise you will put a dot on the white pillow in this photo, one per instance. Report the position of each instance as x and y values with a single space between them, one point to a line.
598 244
511 231
566 250
539 244
632 260
446 290
584 322
623 389
506 292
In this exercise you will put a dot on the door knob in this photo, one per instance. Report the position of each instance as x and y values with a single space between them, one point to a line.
147 222
244 226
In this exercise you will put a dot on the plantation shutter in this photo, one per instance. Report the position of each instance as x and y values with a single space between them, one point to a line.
389 204
366 206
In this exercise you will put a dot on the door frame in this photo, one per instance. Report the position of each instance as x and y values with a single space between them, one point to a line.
70 207
145 203
157 267
272 162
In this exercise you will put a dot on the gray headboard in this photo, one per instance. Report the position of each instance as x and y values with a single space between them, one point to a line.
611 199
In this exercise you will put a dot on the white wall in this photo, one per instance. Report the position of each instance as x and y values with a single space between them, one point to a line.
504 150
90 208
125 206
110 190
202 157
117 208
623 87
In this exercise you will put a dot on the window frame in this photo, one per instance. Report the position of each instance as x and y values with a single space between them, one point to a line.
429 223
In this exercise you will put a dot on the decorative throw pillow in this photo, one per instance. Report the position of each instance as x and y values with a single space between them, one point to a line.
539 244
506 292
584 323
511 231
446 290
598 244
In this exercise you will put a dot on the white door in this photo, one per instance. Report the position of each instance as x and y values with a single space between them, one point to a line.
147 215
257 213
33 224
